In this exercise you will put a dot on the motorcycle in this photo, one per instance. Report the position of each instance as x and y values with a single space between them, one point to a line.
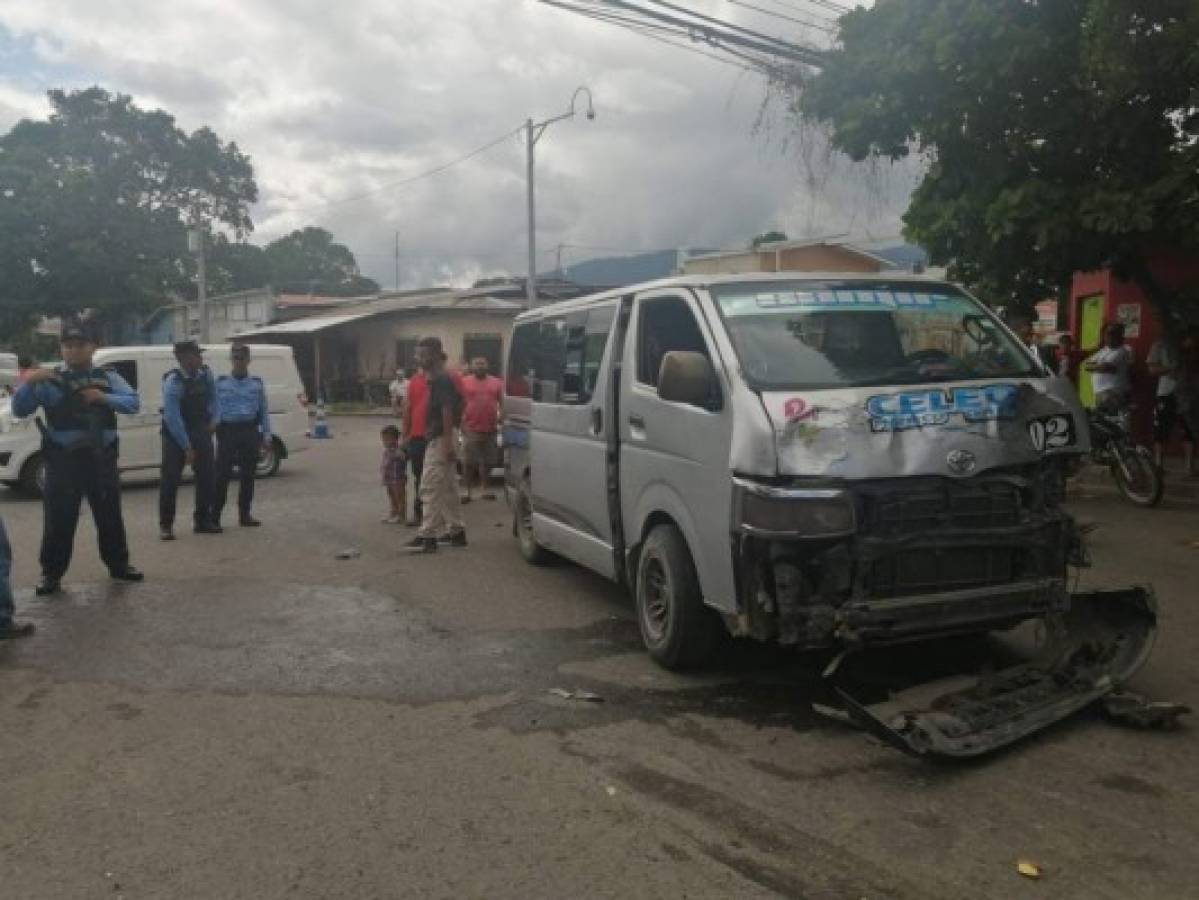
1132 466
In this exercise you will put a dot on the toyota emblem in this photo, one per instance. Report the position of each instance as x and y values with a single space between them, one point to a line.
961 462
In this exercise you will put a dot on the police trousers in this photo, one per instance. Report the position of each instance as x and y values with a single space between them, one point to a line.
71 476
6 600
172 474
237 444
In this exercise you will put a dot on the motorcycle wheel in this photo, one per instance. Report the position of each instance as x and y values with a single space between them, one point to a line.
1136 475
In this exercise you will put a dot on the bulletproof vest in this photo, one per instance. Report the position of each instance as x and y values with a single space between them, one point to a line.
193 406
74 414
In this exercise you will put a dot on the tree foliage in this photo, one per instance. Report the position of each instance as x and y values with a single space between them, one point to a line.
310 261
95 203
1059 136
769 237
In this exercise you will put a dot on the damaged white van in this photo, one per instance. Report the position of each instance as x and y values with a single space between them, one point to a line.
822 461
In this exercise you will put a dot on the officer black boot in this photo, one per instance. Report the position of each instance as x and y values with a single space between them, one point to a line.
208 526
166 533
50 584
12 630
245 520
128 573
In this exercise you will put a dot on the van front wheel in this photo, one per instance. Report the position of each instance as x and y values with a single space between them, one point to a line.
679 631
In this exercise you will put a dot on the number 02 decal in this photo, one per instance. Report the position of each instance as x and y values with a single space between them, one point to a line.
1051 432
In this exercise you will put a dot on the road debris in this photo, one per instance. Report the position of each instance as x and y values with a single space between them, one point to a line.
349 553
1092 650
1132 709
611 791
585 696
1028 869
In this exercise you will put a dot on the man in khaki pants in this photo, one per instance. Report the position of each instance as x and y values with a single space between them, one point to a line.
439 484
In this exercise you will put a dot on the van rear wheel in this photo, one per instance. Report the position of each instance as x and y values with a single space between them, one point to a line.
679 631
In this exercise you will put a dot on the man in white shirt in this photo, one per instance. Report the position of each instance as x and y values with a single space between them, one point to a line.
1111 367
398 391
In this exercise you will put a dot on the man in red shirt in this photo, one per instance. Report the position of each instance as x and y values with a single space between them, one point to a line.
483 395
416 413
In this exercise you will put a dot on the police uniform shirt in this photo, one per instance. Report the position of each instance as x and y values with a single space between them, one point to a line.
243 400
174 390
72 428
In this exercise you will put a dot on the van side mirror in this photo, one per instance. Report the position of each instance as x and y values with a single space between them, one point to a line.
686 377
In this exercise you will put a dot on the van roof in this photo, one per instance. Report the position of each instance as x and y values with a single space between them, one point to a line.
266 349
707 281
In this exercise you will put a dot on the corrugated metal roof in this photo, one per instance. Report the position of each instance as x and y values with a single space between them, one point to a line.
433 301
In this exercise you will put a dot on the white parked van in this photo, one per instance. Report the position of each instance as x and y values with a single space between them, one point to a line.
8 373
822 461
141 446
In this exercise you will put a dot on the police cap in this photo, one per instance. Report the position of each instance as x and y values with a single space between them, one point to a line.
187 347
77 330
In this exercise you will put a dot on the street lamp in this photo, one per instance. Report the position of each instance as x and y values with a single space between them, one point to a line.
533 132
195 243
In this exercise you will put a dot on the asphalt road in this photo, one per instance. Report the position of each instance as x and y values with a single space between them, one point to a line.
261 719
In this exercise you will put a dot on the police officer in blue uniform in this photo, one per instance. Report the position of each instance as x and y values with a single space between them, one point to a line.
189 418
245 427
79 441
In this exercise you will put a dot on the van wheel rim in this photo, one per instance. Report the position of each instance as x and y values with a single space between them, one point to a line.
655 587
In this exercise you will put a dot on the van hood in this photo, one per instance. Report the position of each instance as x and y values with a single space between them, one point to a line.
956 429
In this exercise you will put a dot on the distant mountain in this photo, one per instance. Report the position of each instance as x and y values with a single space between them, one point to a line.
618 271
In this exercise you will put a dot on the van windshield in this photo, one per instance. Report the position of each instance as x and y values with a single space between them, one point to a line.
829 334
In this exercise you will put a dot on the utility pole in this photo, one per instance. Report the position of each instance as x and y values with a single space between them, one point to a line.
195 241
397 261
558 265
533 132
531 281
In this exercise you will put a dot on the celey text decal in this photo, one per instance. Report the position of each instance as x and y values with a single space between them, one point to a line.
919 409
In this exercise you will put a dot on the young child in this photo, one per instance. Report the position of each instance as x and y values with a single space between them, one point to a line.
393 469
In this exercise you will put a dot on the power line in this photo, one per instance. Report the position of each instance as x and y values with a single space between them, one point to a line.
829 29
428 173
839 8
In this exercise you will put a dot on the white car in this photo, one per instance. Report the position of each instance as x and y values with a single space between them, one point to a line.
21 463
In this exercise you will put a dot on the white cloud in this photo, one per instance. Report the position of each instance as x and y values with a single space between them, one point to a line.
332 101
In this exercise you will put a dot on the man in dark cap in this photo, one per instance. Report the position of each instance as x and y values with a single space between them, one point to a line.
189 417
79 442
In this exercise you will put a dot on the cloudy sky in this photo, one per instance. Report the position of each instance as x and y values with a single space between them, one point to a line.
334 101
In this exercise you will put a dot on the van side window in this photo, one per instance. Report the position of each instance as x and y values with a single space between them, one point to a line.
538 357
126 368
665 325
586 340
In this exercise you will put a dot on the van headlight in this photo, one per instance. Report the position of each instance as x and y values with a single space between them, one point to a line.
793 513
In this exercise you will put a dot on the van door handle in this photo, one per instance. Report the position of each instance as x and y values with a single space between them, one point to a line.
637 421
597 421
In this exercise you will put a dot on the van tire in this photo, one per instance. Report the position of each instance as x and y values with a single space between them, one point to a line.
522 527
268 465
33 475
679 631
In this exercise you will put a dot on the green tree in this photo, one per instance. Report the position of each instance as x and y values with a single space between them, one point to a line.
1059 136
95 202
310 260
770 237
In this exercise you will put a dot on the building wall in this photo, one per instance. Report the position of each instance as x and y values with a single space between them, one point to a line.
368 348
729 264
824 258
813 258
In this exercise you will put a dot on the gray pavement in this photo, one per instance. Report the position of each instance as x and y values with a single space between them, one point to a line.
261 719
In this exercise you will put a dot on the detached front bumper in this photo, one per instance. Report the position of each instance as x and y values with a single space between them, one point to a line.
1091 651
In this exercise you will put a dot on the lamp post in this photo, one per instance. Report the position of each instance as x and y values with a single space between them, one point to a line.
195 243
533 132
